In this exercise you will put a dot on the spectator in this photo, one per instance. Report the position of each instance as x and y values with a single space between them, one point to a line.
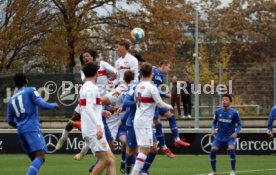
186 98
175 98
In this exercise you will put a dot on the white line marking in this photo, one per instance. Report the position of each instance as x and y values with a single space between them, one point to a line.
243 171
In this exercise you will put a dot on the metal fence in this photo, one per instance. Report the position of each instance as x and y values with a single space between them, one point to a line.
253 88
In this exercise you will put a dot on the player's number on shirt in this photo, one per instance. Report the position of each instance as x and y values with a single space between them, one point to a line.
21 106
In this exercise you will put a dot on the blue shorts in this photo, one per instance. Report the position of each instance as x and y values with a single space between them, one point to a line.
121 131
32 141
219 141
107 132
131 138
160 112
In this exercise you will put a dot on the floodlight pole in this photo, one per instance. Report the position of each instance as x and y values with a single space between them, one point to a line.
196 74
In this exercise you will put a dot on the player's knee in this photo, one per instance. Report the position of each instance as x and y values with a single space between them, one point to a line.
215 148
131 152
168 114
111 161
156 121
231 147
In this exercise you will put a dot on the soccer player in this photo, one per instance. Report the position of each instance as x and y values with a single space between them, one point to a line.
147 97
225 119
125 62
270 121
23 115
158 80
92 124
102 80
118 128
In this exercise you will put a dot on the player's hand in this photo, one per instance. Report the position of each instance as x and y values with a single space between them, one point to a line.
56 106
269 133
234 135
99 133
106 114
213 132
168 95
112 108
119 110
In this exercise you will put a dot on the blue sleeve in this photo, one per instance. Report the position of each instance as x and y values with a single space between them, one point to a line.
271 119
128 101
215 121
39 102
239 122
125 116
10 117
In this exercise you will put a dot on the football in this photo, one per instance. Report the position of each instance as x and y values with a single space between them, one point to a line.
137 34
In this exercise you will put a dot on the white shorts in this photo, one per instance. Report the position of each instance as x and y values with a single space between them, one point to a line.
144 137
97 145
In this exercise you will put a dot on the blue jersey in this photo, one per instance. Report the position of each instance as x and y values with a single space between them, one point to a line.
23 111
271 118
130 106
158 79
226 122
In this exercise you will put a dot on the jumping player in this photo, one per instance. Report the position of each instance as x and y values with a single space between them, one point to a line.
147 97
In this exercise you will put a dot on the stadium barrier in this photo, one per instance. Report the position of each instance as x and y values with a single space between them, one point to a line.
250 142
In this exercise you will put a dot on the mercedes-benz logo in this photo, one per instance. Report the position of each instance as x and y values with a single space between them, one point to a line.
51 141
206 143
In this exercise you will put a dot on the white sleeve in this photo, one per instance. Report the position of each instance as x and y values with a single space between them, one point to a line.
116 81
113 99
77 109
82 76
158 100
135 68
108 67
90 102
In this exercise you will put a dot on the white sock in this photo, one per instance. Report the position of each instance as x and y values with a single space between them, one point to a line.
139 163
164 147
177 139
65 134
84 149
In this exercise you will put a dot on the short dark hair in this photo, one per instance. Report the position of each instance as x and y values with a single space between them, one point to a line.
145 69
92 52
128 76
123 42
90 69
139 58
20 80
228 96
164 62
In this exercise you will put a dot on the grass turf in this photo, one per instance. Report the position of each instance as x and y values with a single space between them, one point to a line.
61 164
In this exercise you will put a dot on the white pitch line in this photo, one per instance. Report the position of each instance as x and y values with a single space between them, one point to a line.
244 171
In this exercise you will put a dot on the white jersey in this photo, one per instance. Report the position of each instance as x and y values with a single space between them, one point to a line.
123 64
146 96
117 101
90 98
102 79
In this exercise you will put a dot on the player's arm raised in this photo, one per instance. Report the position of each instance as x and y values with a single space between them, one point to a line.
110 70
91 100
158 100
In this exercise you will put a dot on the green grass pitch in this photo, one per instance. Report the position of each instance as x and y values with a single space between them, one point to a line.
60 164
